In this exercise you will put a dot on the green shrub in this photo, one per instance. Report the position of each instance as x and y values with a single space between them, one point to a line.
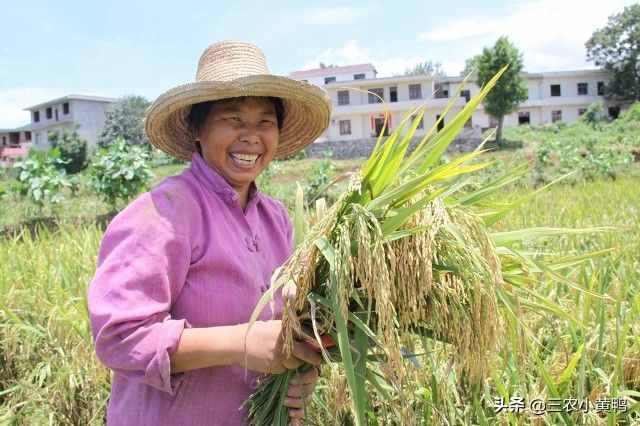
594 115
73 150
320 176
42 178
120 172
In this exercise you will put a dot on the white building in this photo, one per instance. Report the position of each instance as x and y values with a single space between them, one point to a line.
85 114
553 96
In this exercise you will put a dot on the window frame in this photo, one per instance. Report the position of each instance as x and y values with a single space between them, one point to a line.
359 76
551 91
374 99
584 85
328 80
49 113
412 94
556 116
344 127
341 99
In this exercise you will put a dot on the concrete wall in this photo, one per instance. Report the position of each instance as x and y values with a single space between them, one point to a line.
86 117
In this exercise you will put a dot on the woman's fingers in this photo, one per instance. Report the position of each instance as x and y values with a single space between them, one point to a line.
291 363
301 390
310 376
303 352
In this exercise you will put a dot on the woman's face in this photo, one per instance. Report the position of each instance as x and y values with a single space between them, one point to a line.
239 138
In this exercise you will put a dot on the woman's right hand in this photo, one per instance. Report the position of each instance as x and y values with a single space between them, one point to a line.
263 350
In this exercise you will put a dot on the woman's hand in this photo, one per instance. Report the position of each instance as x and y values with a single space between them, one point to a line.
263 349
300 392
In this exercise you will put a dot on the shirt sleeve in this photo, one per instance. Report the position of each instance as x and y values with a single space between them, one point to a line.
142 267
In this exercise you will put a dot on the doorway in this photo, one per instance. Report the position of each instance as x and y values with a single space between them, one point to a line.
379 123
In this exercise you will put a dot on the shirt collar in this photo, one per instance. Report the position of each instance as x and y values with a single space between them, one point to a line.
214 181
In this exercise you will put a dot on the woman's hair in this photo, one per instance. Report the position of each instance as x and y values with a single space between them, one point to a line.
199 112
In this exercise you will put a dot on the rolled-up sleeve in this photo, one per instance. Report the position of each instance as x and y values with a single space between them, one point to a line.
142 266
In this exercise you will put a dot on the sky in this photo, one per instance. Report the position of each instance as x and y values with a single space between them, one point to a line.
117 48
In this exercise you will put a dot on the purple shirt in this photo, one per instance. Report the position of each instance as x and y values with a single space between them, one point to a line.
184 254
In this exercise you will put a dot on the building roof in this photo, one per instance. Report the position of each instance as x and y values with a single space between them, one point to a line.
70 97
319 72
458 79
24 128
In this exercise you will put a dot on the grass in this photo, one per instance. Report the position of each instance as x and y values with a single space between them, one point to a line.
49 374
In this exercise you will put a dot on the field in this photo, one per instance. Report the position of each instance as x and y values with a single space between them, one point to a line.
587 355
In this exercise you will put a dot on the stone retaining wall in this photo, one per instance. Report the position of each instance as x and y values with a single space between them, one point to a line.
363 147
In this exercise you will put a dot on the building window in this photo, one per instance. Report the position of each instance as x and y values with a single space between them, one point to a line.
524 117
556 116
65 108
466 94
27 136
358 76
36 116
420 124
441 90
415 91
345 127
374 99
555 90
440 123
343 97
328 80
601 88
583 89
581 111
4 140
393 94
49 113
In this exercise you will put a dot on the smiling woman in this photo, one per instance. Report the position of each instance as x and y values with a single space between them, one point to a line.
238 137
181 269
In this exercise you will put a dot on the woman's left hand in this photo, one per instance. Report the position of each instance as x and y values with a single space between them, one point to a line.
300 392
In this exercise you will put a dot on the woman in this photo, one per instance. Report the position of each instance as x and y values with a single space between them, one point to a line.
182 267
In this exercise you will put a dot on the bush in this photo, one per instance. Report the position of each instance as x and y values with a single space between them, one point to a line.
594 115
73 150
320 176
120 172
41 178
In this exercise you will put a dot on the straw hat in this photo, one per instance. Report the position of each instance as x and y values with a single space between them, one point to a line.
231 69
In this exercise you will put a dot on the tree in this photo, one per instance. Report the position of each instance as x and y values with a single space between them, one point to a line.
471 65
616 48
125 120
510 89
428 68
73 150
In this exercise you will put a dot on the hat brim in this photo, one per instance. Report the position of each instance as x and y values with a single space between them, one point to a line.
307 110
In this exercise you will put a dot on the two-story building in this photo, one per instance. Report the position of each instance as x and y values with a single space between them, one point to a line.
359 111
85 114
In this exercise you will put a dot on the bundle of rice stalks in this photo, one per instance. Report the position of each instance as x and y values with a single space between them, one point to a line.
404 251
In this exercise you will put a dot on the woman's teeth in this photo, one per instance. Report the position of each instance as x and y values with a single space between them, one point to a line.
244 159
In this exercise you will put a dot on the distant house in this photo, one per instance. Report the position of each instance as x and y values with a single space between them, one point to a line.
85 114
552 97
14 144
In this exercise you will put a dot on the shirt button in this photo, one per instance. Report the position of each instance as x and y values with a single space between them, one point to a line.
250 244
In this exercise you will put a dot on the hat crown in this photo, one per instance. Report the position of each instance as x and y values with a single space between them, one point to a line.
229 60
